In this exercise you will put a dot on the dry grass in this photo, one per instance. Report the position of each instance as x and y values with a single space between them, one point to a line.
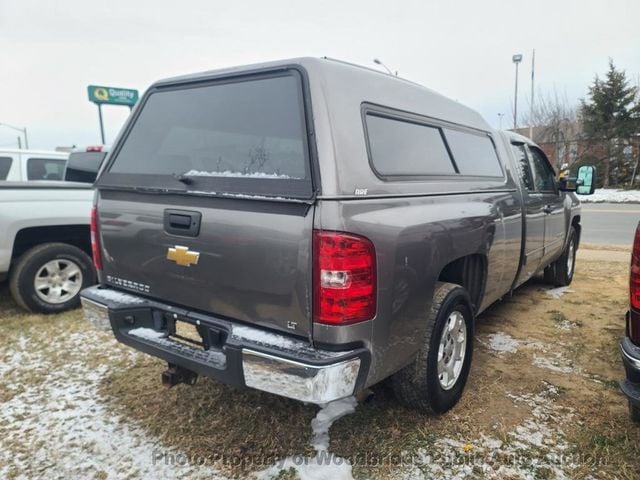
210 419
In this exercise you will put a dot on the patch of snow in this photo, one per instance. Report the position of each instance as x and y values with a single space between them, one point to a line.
501 342
147 333
266 338
326 416
558 292
325 465
63 430
612 195
252 197
116 295
535 447
566 325
557 364
229 173
490 443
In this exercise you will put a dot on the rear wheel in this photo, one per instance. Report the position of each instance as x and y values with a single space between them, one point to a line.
434 381
48 278
560 273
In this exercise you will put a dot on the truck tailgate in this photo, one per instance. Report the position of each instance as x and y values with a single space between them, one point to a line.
250 261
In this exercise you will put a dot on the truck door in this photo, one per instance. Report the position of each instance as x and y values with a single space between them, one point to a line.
553 199
534 214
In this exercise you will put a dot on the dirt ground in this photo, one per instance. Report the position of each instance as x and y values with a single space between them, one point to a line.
542 402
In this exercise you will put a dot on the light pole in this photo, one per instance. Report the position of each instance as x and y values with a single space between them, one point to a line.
517 58
378 62
18 129
500 115
531 113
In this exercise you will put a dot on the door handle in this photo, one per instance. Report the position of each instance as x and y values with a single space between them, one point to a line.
548 209
179 221
185 223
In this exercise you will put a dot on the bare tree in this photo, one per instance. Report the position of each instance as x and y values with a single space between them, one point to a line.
555 121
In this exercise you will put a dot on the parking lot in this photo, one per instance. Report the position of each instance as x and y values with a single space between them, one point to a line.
542 402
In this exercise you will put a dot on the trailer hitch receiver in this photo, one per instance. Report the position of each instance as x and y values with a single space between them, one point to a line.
174 375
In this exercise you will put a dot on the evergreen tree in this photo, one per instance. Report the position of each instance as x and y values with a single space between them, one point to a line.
611 120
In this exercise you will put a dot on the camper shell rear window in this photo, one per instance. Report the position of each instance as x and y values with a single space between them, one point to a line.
240 136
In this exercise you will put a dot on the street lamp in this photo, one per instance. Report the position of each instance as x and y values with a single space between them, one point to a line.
378 62
517 58
500 115
18 129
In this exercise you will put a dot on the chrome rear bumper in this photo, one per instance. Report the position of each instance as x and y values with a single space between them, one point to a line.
96 314
304 382
249 356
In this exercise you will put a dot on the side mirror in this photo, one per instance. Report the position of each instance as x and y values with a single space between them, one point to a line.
586 181
583 184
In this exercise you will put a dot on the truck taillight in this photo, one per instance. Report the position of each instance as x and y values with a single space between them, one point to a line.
95 239
344 278
634 289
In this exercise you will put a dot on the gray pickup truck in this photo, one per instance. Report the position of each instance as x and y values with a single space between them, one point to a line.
310 227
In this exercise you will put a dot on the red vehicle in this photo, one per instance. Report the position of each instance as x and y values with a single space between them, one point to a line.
630 343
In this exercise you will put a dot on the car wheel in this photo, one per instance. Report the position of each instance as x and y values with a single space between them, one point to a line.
435 380
634 411
560 273
48 278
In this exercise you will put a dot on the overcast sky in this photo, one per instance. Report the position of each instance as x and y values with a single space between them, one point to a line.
50 51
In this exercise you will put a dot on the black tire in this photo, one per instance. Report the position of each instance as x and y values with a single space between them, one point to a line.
634 412
23 276
560 273
417 385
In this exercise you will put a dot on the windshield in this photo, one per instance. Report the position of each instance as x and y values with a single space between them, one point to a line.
242 137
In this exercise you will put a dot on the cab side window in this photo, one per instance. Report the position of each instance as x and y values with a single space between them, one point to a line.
523 165
45 168
543 173
5 166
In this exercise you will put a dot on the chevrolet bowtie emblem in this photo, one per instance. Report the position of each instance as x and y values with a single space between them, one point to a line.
183 256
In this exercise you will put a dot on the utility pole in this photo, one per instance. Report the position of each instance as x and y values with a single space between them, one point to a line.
531 114
517 58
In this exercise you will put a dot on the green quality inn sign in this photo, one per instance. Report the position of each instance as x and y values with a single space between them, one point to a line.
112 96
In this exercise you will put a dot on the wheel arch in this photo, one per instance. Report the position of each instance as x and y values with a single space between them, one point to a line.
27 238
470 272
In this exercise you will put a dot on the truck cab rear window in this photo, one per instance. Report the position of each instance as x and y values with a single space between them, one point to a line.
245 137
